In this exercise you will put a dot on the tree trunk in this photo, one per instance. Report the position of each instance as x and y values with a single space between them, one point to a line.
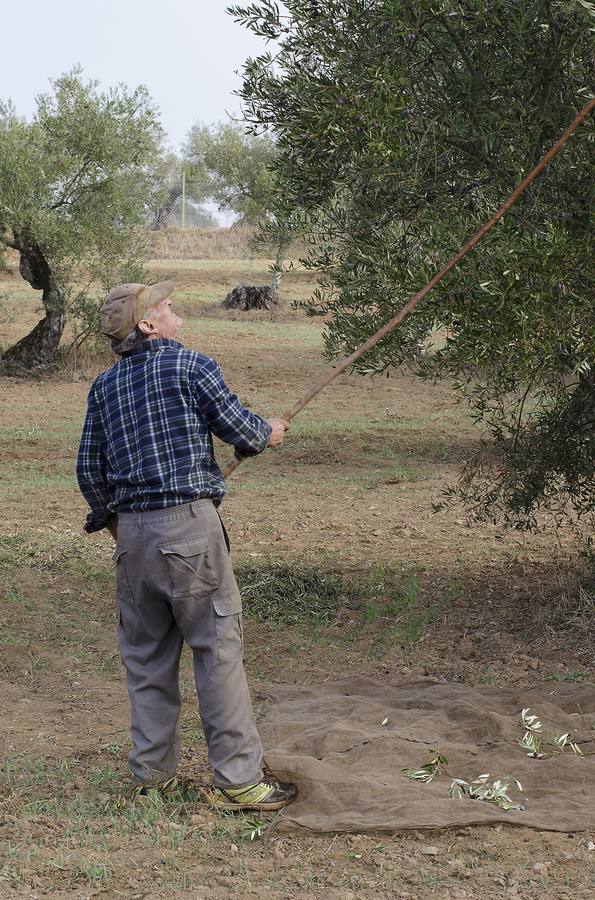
582 405
38 348
250 296
278 273
164 212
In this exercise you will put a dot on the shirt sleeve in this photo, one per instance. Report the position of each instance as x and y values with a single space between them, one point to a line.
225 415
91 469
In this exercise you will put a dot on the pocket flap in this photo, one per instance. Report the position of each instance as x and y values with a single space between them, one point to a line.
227 606
186 548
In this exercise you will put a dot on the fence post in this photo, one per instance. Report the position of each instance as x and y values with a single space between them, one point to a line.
183 198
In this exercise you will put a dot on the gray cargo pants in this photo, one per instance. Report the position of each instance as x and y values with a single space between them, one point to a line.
175 583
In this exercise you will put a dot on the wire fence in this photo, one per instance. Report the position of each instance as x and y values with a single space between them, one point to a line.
189 204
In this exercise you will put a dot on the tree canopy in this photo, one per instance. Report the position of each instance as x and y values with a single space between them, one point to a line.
401 127
233 167
75 184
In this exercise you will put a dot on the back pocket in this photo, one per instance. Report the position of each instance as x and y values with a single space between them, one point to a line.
189 567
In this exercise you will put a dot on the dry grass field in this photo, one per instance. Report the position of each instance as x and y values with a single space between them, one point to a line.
399 593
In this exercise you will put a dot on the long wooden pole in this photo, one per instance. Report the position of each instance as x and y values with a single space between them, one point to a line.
347 361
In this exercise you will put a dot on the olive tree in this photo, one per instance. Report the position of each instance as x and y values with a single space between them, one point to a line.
75 184
237 168
233 167
401 126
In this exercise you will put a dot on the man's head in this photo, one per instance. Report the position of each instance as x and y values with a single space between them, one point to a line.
134 312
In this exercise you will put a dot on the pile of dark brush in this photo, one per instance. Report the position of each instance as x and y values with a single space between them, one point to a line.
250 296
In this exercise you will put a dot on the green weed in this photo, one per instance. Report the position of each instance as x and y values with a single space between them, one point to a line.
98 874
371 611
488 676
12 595
114 749
568 676
105 778
12 640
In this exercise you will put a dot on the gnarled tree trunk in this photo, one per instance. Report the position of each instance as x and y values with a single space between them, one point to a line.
163 213
250 296
38 348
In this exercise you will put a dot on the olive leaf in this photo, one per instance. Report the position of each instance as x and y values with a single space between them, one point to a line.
435 767
497 792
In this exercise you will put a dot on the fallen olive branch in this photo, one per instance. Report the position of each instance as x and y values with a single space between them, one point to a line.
479 788
535 740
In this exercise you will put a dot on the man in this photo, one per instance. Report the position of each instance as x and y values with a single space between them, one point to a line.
146 467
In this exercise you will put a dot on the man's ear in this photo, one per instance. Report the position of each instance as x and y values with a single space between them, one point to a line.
147 326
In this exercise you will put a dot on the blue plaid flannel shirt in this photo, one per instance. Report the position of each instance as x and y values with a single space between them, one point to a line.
146 441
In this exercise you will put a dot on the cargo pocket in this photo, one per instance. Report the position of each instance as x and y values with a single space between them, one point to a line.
123 589
228 627
189 568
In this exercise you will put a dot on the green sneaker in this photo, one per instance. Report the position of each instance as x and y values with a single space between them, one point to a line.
268 795
153 788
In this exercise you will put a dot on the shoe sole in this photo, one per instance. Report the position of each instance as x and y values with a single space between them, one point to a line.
252 807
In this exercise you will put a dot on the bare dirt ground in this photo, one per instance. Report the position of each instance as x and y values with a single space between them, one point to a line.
351 492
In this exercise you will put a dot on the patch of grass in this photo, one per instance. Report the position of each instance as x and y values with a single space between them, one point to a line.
407 624
264 333
105 778
26 773
64 552
327 480
407 617
40 481
568 676
13 595
452 592
291 592
307 591
11 640
371 611
61 429
18 433
488 676
98 874
283 592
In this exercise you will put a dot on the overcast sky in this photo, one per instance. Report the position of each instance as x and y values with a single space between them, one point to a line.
185 51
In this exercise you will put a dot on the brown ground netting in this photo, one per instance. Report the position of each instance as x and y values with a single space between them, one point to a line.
328 738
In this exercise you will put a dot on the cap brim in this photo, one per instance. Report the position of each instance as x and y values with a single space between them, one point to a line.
160 291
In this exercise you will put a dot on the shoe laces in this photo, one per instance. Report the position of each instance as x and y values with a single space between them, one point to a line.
271 782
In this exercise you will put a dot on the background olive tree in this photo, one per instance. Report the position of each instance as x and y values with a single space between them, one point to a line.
234 166
237 169
75 184
400 127
223 165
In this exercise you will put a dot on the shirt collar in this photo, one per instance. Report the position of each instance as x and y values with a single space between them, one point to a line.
154 344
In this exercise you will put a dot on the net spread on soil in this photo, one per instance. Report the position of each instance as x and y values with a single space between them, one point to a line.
345 744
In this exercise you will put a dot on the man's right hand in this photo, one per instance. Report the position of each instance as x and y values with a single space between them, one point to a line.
279 427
